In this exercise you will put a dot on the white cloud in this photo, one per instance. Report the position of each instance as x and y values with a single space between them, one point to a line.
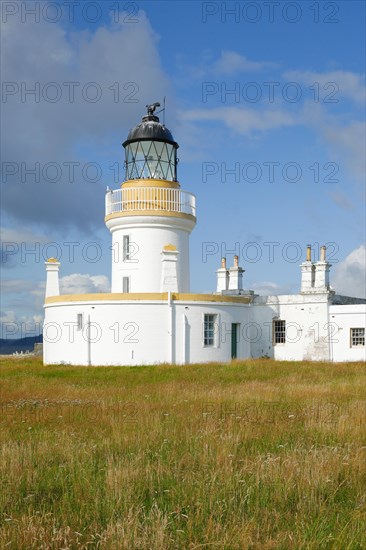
348 142
25 295
77 283
345 138
268 288
349 277
18 236
243 121
14 286
230 63
14 241
348 85
13 325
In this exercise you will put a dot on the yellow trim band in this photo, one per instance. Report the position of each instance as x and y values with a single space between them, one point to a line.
146 296
164 213
150 183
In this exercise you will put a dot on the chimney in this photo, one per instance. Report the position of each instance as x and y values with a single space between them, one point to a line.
169 274
52 282
236 276
307 272
321 283
222 277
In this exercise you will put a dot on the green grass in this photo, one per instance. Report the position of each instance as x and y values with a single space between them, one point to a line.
247 455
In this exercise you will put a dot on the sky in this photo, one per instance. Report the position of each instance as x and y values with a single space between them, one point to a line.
266 100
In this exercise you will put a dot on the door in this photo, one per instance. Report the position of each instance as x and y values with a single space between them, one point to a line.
234 340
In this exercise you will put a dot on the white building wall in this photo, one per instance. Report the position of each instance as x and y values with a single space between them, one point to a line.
120 334
191 349
139 332
345 317
307 327
142 333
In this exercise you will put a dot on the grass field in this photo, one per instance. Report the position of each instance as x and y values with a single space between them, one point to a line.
248 455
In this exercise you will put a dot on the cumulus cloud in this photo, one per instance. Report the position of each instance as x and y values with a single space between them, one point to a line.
349 276
18 320
77 283
19 326
230 63
122 61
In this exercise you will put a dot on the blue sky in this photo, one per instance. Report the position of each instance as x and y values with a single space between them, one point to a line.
266 102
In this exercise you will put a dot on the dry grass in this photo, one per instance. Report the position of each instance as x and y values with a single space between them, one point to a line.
248 455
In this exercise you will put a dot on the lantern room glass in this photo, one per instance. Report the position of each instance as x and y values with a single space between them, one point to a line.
151 160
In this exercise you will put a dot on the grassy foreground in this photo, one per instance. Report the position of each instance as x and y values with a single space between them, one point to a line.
248 455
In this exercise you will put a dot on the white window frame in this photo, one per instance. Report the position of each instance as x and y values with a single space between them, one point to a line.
357 333
126 279
79 321
215 331
126 242
279 333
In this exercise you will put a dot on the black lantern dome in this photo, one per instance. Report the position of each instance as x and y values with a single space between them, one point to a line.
150 149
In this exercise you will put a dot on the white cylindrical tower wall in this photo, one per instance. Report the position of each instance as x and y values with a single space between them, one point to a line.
147 237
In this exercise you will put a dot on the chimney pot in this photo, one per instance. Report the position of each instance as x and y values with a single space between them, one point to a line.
322 253
308 253
223 263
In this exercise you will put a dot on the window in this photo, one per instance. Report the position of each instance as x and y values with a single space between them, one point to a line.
279 331
79 320
125 284
126 247
357 337
209 330
151 159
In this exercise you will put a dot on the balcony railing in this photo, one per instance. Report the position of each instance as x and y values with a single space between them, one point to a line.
150 198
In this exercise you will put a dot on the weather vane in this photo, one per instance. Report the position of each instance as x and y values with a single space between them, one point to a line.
151 108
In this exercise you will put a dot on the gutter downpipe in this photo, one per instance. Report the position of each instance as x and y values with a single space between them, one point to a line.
171 327
89 342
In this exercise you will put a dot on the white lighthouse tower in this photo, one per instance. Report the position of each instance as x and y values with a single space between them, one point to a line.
150 217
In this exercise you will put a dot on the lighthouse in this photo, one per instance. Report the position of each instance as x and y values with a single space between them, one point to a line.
151 316
150 217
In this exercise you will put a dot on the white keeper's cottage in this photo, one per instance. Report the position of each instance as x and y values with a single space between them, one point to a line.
150 316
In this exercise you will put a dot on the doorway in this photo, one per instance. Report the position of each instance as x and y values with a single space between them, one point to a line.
234 340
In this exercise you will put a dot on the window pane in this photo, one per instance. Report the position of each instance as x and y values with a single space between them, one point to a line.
209 330
357 337
126 247
150 159
79 321
279 332
126 284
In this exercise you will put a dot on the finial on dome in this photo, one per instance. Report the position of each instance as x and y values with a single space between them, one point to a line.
151 108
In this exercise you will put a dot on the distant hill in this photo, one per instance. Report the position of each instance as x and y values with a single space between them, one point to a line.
9 346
